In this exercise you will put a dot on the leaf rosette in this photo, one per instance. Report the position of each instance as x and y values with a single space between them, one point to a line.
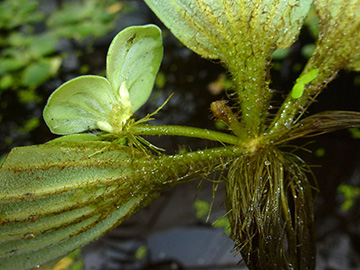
94 102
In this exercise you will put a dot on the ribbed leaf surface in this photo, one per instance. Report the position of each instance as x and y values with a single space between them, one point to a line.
217 28
57 197
339 41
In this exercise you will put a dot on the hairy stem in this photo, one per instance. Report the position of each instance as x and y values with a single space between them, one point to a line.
252 87
172 130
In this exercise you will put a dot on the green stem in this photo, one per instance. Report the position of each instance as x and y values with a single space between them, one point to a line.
284 118
252 86
184 166
172 130
207 154
292 109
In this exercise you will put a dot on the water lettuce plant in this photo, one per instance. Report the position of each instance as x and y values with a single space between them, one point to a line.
60 195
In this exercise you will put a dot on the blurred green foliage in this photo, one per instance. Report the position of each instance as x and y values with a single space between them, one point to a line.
203 210
30 57
141 252
355 133
350 194
73 261
320 152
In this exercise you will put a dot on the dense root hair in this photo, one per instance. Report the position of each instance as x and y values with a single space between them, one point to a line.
270 204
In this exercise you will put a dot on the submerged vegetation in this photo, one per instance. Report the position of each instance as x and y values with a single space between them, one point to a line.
60 195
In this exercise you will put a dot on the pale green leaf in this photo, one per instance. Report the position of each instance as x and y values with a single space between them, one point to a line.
304 79
11 64
57 197
298 90
202 208
280 54
37 73
77 138
339 40
79 104
6 81
219 28
242 34
133 60
42 45
308 77
93 102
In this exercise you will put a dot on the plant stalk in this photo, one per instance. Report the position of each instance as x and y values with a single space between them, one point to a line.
173 130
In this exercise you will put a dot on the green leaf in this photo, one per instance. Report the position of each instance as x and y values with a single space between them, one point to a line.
77 138
18 13
42 45
37 73
81 19
30 125
2 159
57 197
133 60
242 34
141 252
6 81
29 95
55 64
93 102
280 54
308 77
214 29
224 223
298 90
308 50
355 133
202 208
350 193
299 87
10 64
79 104
339 39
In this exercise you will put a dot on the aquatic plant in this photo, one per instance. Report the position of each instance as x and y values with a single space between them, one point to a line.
60 195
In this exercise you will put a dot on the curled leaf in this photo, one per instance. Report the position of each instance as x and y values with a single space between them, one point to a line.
79 104
133 61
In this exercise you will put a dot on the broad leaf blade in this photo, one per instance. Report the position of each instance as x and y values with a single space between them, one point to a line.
218 28
63 166
31 258
339 41
242 34
79 104
59 196
134 59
